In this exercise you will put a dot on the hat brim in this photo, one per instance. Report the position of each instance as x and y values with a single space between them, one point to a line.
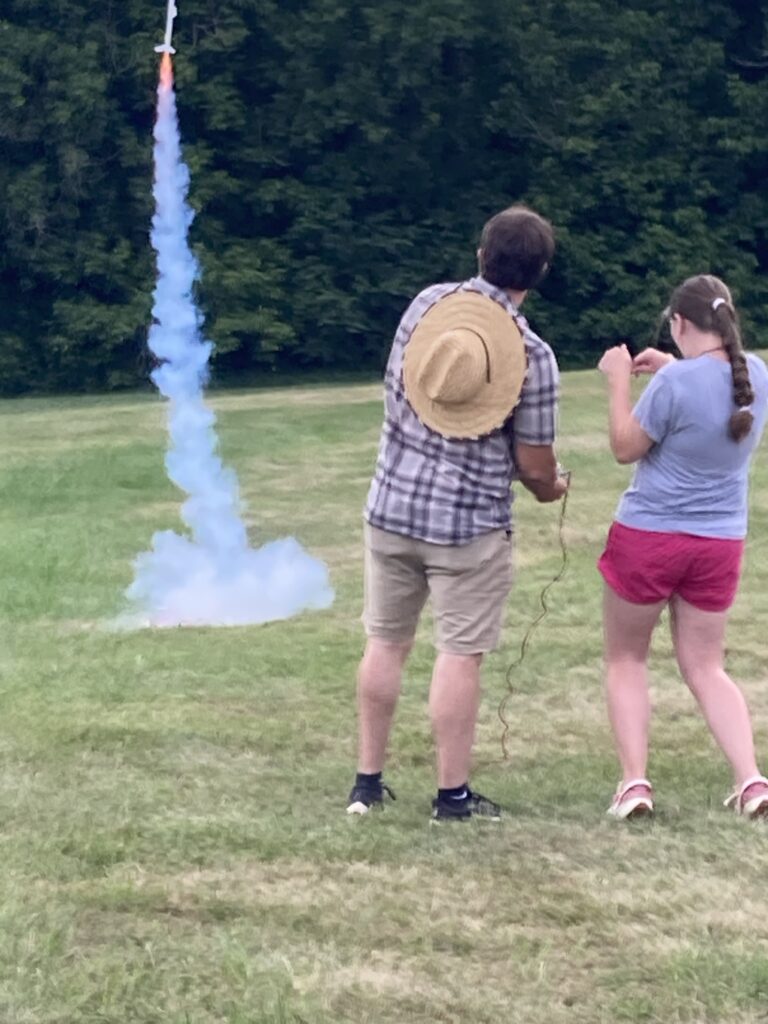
495 402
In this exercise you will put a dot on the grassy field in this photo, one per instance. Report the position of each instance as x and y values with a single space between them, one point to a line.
172 830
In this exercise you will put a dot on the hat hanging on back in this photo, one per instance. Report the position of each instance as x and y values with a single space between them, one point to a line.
464 366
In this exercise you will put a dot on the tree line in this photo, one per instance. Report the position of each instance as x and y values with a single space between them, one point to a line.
345 153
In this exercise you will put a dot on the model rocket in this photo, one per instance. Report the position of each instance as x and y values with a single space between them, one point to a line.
165 46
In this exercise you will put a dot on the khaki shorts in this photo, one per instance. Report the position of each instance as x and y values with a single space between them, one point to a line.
468 583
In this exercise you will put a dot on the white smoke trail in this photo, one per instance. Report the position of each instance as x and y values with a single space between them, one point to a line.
213 577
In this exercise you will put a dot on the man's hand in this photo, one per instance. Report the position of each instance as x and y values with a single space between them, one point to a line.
616 362
562 484
548 493
538 471
650 360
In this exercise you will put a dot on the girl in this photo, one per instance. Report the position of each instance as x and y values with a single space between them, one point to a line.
679 532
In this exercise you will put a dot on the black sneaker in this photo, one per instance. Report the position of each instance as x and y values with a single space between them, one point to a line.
365 798
472 806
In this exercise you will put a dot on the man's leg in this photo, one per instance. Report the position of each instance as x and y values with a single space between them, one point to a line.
454 698
378 688
469 586
395 592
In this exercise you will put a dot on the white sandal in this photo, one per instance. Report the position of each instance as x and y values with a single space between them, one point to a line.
640 805
757 806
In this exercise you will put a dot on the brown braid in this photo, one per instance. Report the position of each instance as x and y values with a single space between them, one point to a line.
694 300
726 320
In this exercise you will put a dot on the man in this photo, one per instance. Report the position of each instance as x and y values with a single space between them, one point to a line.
470 406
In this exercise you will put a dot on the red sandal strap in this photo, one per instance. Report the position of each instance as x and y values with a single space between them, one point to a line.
737 796
622 791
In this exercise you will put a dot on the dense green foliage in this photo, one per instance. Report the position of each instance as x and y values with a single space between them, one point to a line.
345 154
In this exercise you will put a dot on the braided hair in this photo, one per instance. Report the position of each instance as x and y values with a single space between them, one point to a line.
706 301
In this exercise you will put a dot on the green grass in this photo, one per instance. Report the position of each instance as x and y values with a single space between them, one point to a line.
172 835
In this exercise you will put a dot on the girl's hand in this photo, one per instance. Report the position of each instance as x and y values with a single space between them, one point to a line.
650 360
616 362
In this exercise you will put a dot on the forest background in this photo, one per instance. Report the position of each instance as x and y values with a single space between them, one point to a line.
344 154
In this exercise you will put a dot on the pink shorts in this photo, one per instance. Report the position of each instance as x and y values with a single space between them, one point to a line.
645 566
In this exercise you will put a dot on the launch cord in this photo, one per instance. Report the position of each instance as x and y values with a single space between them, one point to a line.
532 628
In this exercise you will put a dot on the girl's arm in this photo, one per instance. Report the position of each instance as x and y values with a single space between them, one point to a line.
651 360
629 442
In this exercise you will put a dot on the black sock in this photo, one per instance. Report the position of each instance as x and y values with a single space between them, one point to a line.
371 781
457 793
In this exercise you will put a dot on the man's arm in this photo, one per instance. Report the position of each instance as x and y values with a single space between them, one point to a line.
535 425
538 471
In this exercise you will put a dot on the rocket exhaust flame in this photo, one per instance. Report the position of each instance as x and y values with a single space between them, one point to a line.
166 72
212 577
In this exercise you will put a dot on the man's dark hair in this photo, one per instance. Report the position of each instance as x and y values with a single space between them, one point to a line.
516 249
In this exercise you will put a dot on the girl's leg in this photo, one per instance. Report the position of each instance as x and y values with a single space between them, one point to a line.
698 638
627 631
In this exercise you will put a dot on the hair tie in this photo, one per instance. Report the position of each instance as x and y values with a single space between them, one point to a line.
745 408
718 302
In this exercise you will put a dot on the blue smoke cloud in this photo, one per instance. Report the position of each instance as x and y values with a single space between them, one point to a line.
210 577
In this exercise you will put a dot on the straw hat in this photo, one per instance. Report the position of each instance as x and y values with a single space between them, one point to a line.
464 366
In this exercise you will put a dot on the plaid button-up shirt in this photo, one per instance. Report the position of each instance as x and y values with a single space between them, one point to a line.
449 491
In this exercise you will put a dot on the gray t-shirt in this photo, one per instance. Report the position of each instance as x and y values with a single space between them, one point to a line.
694 479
